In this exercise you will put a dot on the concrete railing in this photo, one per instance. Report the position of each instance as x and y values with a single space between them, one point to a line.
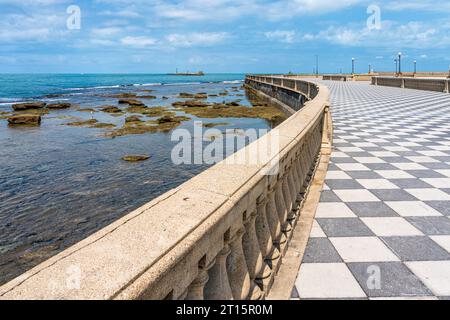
439 85
220 235
335 77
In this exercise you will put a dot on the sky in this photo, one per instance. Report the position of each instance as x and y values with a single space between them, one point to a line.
222 36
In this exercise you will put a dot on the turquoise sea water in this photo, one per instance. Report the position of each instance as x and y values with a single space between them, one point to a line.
59 183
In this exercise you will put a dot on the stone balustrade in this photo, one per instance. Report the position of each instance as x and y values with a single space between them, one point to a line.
335 77
220 235
439 85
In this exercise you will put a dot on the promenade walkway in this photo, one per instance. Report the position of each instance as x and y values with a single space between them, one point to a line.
382 228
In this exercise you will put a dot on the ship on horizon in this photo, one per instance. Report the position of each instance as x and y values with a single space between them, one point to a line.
198 73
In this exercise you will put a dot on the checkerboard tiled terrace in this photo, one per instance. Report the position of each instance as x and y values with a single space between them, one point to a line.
382 228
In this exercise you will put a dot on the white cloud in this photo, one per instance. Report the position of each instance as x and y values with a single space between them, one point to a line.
125 13
280 35
392 34
417 5
37 28
106 32
138 42
224 10
196 39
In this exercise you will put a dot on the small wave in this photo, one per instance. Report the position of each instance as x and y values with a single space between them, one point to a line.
9 100
147 84
182 83
233 82
50 100
96 87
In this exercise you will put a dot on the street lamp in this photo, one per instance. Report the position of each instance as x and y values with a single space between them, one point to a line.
317 66
399 63
396 66
415 66
353 65
370 68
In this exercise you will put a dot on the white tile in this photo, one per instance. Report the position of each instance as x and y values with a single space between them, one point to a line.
350 149
384 154
422 159
364 144
394 174
429 194
378 140
334 210
325 187
444 172
333 175
409 166
438 182
386 136
389 227
434 274
369 160
352 167
363 249
327 280
443 241
440 148
396 149
338 154
435 153
412 209
356 195
316 231
405 298
377 184
408 144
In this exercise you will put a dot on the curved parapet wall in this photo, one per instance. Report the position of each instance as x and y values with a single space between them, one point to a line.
220 235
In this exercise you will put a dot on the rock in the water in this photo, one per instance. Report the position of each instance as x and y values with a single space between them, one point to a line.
62 105
28 105
135 158
131 102
190 104
185 95
111 109
25 120
133 119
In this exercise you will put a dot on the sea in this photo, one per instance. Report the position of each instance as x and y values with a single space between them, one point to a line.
59 183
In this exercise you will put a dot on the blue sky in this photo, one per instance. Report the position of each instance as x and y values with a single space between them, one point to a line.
153 36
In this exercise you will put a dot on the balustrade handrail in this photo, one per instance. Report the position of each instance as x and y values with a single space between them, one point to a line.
220 235
436 84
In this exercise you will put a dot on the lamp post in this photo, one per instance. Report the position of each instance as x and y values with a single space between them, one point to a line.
396 66
399 63
415 66
370 68
317 66
353 66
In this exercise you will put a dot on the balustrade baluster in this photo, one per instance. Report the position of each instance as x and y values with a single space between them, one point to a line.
218 285
281 207
238 274
258 269
196 289
268 250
